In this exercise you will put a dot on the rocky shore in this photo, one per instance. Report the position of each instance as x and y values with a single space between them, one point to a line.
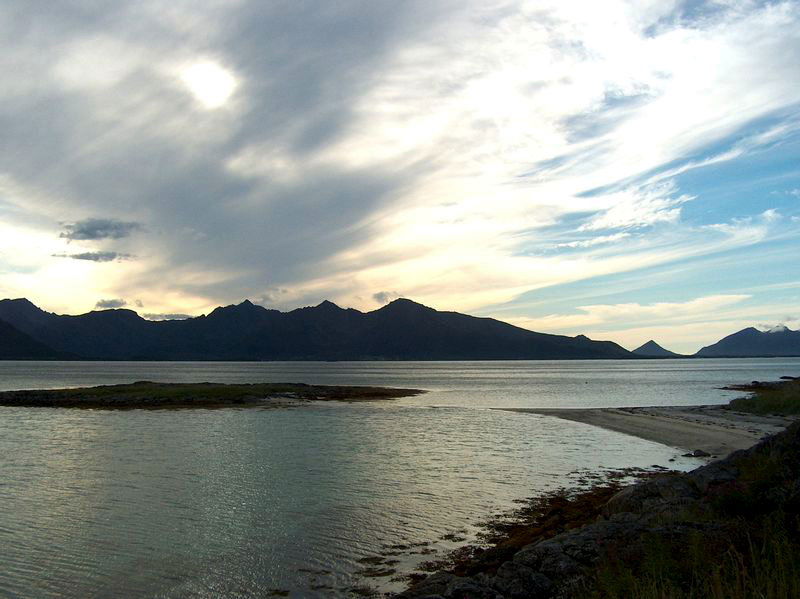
672 509
728 529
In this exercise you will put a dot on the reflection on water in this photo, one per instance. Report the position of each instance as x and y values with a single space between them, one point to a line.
204 503
544 383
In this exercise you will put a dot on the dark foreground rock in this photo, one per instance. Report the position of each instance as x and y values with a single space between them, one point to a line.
675 510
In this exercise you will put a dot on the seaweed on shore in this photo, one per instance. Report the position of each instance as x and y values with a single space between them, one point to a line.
538 518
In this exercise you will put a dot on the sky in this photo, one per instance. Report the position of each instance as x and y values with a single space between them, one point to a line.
624 170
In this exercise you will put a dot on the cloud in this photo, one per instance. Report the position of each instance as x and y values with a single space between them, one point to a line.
97 256
631 314
384 297
110 304
643 207
98 228
159 317
376 145
600 240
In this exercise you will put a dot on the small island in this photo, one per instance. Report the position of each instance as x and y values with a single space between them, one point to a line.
151 395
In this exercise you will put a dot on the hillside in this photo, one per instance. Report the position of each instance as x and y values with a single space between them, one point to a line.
15 345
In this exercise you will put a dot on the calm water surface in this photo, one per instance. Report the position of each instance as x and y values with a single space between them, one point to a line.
240 502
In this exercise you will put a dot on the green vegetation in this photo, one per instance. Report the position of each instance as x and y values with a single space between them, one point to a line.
146 394
779 398
743 544
759 560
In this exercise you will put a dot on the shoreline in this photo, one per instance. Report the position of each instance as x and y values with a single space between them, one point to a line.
709 430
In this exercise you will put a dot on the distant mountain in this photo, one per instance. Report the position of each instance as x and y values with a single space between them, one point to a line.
651 349
750 342
16 345
401 330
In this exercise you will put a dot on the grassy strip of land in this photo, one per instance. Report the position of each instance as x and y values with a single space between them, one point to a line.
781 398
146 394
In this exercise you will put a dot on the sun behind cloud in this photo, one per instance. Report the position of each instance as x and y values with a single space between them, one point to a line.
211 84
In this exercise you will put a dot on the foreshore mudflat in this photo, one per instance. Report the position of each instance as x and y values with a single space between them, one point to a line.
714 429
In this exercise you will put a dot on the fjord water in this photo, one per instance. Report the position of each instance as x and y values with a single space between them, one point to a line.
242 502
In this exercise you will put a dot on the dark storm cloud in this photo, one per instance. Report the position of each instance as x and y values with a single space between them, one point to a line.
110 304
96 256
98 228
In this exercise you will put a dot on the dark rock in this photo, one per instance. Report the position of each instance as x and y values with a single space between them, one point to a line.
697 453
516 581
548 557
470 588
433 585
653 497
714 473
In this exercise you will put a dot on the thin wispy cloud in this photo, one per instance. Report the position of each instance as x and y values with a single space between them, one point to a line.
96 256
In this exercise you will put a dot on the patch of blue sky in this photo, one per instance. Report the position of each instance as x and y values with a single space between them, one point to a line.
760 180
763 270
695 13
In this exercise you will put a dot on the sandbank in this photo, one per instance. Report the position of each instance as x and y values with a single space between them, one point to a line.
713 429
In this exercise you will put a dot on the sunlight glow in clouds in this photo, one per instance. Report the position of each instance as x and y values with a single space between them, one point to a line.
210 84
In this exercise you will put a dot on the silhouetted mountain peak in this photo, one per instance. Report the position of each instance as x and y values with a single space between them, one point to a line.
780 328
653 350
22 301
403 305
22 305
238 311
750 342
328 305
24 314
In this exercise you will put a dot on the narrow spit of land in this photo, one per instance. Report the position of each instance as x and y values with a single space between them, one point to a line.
150 395
716 430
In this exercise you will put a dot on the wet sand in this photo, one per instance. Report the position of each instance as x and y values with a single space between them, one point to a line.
713 429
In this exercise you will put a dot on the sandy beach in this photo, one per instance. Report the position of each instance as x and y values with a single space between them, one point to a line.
713 429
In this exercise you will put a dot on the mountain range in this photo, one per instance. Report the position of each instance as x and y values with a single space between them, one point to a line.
401 330
750 342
